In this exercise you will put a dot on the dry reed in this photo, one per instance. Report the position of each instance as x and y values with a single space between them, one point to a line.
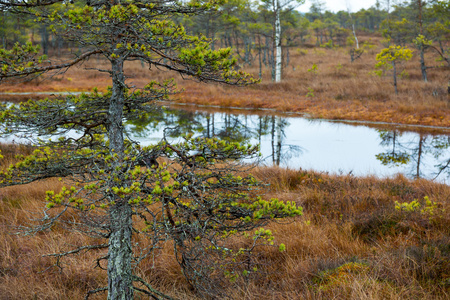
351 243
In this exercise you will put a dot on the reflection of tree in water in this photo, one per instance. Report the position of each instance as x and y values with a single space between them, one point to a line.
235 128
279 151
242 128
418 152
185 122
397 156
148 123
413 152
180 122
227 126
440 145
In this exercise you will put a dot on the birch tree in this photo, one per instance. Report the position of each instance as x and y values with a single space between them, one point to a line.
185 193
276 6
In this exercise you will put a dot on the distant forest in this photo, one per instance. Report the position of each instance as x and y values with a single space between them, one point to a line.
249 28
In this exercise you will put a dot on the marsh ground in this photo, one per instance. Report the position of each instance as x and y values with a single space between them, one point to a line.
351 243
336 89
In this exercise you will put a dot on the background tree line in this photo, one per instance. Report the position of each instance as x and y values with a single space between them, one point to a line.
249 28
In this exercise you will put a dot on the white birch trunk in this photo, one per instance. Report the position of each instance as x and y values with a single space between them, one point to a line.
277 43
354 35
353 26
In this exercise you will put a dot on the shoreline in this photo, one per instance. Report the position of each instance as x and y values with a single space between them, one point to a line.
358 120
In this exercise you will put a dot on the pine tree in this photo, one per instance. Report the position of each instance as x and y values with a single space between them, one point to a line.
188 193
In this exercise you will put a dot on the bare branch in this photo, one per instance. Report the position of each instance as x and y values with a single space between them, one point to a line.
34 70
78 250
151 289
28 4
104 289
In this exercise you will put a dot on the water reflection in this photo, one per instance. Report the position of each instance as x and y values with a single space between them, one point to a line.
413 151
226 126
308 144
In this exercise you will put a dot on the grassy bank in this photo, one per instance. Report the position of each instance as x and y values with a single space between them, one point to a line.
335 89
351 243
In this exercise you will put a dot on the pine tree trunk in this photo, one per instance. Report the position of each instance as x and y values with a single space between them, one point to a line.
288 58
44 39
423 67
266 52
247 49
4 33
120 281
260 60
394 71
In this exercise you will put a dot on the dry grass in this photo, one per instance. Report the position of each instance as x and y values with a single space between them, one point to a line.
351 243
340 89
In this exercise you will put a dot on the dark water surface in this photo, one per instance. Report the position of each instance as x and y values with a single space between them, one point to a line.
325 146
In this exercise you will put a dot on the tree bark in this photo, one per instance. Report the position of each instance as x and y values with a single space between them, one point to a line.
4 27
120 282
277 43
266 59
115 126
423 67
260 60
247 49
44 39
394 71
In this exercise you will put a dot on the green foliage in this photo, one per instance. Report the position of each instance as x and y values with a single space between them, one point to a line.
393 54
313 69
422 41
350 41
194 193
155 33
328 44
201 205
310 93
390 58
407 207
21 58
394 159
428 207
396 31
302 52
368 45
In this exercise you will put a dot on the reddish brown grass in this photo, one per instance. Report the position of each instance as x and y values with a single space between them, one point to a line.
351 243
341 89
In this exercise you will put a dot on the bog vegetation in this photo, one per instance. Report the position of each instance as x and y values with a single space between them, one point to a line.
358 238
183 220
